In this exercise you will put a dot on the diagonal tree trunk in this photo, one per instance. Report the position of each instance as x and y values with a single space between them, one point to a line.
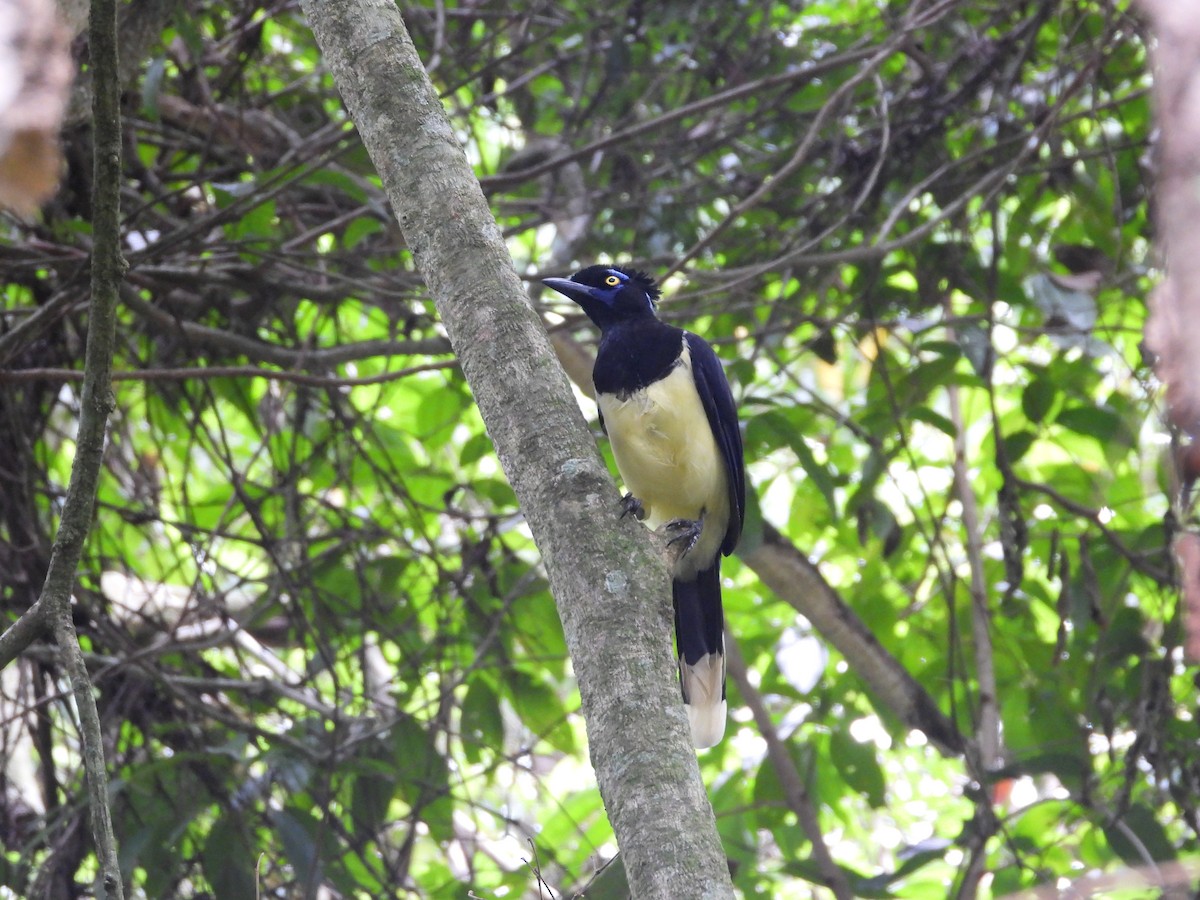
610 586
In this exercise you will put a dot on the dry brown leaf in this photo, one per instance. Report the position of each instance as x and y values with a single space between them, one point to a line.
35 78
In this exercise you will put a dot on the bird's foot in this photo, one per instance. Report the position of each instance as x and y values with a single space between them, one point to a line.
682 535
631 505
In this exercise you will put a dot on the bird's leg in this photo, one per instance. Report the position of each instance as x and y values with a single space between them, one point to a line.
631 505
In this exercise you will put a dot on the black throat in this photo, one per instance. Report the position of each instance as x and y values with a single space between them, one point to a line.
634 354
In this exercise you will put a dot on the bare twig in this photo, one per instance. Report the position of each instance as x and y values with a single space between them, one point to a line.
259 351
190 374
987 728
794 579
794 791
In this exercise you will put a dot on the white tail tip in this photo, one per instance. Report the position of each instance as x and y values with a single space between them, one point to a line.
704 693
708 724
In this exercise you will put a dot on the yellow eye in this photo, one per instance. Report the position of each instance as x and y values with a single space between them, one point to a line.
612 280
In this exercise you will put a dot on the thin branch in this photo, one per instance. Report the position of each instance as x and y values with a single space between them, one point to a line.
33 624
192 373
794 791
1137 560
53 607
987 729
787 572
28 331
218 339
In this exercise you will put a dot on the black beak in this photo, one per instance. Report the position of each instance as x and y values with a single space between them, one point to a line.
580 293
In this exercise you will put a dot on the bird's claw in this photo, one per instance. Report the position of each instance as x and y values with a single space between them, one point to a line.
685 531
631 505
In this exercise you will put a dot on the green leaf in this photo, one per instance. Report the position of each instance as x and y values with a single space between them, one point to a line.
297 832
769 810
229 859
934 373
858 766
426 785
921 855
1137 834
534 617
542 710
975 346
780 425
915 858
374 785
496 490
1124 636
415 752
948 349
439 411
936 419
570 814
359 230
1093 421
610 883
1017 444
1037 398
1067 767
345 185
475 448
817 472
1069 314
482 724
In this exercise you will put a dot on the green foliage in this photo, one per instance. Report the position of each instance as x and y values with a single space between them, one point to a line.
325 650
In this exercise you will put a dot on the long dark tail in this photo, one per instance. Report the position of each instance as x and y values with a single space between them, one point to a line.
699 635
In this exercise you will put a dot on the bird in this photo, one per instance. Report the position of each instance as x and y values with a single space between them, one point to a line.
671 419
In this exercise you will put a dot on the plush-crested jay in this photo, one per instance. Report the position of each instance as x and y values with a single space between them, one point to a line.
667 409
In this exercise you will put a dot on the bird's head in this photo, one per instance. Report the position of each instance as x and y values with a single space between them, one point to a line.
609 294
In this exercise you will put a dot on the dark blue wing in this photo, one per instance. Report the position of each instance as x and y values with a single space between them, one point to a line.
723 419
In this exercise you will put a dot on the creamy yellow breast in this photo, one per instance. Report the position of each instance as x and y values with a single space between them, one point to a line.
668 457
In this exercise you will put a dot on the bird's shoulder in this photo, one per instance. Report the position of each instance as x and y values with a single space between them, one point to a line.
634 355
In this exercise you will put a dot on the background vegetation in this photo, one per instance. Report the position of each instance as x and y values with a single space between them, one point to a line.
326 655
